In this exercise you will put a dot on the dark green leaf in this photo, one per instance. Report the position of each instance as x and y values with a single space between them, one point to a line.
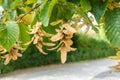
63 11
117 0
99 8
68 10
20 11
77 2
51 29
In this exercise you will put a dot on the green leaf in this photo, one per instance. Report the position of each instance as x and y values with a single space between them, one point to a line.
64 12
112 26
20 11
30 1
86 6
2 30
14 4
46 11
76 2
67 11
99 8
24 36
56 14
39 1
117 0
51 29
29 18
6 4
9 34
12 14
1 2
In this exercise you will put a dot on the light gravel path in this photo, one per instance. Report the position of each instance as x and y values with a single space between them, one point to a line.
86 70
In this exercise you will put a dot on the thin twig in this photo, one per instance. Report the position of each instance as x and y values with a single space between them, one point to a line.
37 5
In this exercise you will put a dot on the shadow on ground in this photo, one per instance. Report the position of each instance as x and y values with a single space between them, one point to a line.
107 75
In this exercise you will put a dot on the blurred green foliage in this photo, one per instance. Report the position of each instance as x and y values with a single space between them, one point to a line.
87 48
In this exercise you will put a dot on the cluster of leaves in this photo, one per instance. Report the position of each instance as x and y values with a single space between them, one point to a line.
26 21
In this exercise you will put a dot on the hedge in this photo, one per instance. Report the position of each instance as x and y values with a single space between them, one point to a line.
87 48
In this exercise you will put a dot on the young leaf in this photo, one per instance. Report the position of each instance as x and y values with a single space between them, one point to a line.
10 34
112 26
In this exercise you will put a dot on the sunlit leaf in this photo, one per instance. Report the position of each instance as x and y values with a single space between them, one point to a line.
1 2
30 1
46 11
56 22
10 34
24 36
28 19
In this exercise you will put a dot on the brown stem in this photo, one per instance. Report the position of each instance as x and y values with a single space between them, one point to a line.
37 5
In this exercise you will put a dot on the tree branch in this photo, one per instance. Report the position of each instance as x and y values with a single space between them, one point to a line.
37 5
